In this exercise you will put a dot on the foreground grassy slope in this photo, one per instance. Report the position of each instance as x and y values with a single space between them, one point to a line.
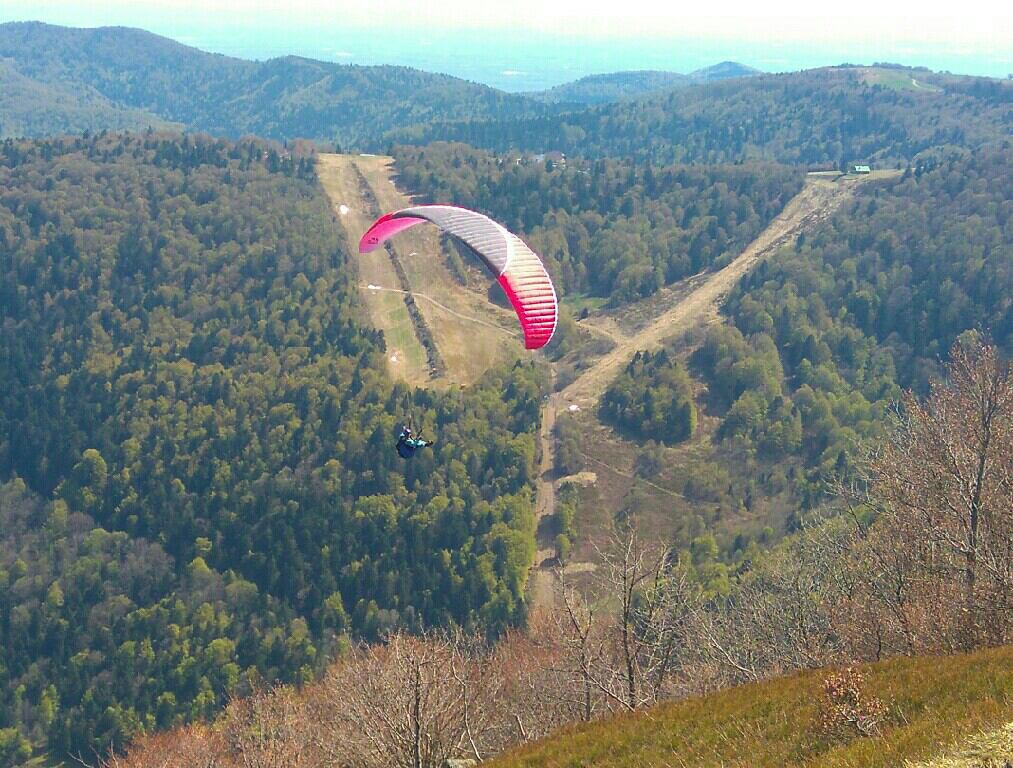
931 703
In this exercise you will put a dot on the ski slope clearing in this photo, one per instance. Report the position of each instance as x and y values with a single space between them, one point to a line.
470 333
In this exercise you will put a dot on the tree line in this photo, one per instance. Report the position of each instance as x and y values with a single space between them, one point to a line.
818 117
611 228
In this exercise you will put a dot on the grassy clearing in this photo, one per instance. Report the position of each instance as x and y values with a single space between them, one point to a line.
406 358
895 79
932 703
455 314
662 513
578 302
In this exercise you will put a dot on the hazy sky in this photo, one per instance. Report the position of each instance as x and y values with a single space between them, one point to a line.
579 37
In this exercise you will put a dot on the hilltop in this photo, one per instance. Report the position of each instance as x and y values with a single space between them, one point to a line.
611 86
614 86
722 71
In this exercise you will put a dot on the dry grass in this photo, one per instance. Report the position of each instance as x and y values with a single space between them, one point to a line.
991 749
931 702
387 311
468 347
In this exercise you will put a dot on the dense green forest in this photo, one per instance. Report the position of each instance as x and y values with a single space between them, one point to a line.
825 334
835 115
614 86
908 265
128 75
204 431
652 400
31 108
612 228
601 89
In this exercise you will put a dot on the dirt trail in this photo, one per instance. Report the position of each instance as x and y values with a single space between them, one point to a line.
817 201
540 579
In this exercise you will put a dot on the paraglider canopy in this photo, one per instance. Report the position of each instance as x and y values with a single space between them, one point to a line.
517 268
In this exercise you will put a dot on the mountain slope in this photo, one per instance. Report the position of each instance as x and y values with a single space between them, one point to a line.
205 428
929 703
833 115
613 86
28 106
279 98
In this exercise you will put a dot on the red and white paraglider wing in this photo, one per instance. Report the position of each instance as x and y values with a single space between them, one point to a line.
517 268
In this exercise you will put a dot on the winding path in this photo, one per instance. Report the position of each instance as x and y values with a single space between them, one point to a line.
817 201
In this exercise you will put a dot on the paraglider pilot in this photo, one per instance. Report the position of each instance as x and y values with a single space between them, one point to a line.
407 445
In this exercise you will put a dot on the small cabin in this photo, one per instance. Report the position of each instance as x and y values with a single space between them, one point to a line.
555 157
861 169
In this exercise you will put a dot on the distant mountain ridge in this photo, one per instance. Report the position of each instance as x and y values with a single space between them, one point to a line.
880 114
615 86
723 71
138 75
611 86
62 80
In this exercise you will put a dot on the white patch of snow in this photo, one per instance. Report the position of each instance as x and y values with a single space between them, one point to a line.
343 209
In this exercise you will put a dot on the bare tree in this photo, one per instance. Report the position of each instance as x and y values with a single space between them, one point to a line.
195 746
623 636
944 484
585 654
271 729
779 616
412 702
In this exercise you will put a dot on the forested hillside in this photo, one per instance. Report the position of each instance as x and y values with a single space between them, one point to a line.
824 336
765 664
601 89
909 265
291 97
869 303
30 108
614 86
836 115
611 228
205 430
